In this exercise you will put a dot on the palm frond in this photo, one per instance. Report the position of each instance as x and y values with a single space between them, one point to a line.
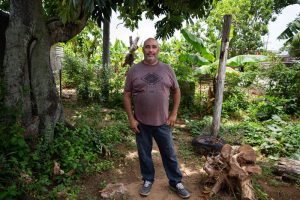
292 29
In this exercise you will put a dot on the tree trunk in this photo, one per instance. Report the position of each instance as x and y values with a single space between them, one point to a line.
29 82
105 61
30 92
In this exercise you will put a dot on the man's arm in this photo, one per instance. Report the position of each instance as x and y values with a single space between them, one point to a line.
128 108
173 116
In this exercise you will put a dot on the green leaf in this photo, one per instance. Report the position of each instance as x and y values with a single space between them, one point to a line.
205 69
198 45
292 29
243 59
193 58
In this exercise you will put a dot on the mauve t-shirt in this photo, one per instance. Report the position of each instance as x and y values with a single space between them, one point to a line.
150 86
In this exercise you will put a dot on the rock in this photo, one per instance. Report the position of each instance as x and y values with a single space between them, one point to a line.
114 191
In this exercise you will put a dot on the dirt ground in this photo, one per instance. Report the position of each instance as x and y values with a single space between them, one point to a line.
127 171
194 178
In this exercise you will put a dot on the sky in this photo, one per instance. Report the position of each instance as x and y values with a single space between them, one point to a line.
146 28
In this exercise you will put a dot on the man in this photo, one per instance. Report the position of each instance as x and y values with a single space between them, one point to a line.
149 83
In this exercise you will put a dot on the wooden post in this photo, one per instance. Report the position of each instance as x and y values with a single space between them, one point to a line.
221 75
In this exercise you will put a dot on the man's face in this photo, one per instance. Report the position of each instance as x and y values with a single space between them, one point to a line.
151 50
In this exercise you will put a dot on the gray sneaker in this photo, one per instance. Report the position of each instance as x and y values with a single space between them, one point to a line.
146 188
181 191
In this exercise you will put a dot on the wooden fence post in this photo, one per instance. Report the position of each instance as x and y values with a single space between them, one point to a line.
221 75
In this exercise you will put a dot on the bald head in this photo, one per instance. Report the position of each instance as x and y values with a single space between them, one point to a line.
151 51
151 39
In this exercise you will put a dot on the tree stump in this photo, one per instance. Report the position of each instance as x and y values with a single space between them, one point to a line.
233 164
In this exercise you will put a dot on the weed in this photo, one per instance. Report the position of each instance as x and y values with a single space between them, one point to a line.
260 194
102 185
273 182
104 166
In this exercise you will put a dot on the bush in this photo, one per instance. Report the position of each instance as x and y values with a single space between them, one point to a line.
72 71
235 99
14 159
274 137
263 108
199 127
77 73
282 81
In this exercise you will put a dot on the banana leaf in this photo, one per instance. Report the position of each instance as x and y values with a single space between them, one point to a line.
245 59
198 45
193 59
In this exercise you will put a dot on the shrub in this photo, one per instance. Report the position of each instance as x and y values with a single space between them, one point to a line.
282 81
274 137
263 108
199 127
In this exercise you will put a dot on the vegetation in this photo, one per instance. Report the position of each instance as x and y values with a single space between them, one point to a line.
261 101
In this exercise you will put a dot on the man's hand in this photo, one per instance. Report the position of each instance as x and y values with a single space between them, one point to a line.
171 120
132 121
134 125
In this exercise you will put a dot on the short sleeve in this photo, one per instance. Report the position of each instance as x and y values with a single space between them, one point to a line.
175 84
128 81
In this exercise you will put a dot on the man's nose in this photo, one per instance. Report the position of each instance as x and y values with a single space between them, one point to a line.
151 49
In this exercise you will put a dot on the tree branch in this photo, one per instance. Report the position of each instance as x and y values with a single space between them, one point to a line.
60 32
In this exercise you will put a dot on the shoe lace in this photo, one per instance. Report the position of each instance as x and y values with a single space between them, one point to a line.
180 186
147 183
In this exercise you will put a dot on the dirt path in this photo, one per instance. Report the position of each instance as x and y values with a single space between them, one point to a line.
128 173
160 189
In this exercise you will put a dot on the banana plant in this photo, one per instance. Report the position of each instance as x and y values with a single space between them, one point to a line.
208 62
292 35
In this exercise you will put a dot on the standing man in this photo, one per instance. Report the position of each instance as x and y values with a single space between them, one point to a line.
149 84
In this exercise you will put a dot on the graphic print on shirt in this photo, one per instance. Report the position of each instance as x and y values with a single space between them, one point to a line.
151 78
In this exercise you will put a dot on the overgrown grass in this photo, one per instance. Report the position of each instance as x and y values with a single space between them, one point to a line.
89 148
274 137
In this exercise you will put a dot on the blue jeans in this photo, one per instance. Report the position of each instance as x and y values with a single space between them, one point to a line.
163 137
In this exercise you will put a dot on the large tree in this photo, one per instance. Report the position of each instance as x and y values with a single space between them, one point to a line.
249 21
30 91
30 28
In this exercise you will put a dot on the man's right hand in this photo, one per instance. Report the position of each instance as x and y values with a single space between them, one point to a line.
134 126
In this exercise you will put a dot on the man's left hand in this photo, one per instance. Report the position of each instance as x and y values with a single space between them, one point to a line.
171 120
